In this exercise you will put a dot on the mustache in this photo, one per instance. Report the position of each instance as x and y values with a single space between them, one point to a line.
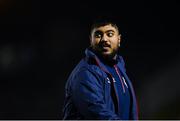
104 44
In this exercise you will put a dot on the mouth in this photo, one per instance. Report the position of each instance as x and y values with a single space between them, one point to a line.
105 45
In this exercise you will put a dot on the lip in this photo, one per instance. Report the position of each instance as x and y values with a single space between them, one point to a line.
105 48
105 45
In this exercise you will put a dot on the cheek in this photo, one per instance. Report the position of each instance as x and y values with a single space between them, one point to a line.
95 41
115 42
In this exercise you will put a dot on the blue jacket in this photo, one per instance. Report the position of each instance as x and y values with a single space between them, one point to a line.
87 91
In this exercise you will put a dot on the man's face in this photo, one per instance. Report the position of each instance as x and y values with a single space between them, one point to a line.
105 40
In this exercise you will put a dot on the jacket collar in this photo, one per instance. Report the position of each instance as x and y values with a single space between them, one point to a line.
90 54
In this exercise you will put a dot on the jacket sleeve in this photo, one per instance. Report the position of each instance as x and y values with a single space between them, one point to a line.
89 98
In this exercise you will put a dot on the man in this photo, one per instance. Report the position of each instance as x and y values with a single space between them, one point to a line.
98 87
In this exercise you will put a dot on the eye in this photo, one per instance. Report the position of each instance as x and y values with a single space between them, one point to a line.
110 34
98 35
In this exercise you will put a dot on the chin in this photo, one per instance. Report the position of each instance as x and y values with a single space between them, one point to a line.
107 54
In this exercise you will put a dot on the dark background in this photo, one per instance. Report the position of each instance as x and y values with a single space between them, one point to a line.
41 41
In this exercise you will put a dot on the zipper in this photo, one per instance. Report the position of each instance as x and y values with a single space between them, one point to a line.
116 101
121 79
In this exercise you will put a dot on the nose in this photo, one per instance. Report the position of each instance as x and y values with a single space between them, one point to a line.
104 38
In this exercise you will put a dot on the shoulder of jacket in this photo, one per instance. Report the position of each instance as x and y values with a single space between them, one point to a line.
91 67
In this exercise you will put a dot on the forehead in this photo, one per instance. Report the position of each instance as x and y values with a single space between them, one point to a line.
105 28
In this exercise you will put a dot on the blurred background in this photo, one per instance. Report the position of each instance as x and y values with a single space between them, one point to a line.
41 41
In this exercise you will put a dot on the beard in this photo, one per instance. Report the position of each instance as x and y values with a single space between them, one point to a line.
108 52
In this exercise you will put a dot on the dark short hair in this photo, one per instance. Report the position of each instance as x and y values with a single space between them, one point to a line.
103 22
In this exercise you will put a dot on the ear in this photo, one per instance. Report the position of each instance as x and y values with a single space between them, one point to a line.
119 39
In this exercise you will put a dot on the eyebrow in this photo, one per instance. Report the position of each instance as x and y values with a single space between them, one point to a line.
99 31
109 31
